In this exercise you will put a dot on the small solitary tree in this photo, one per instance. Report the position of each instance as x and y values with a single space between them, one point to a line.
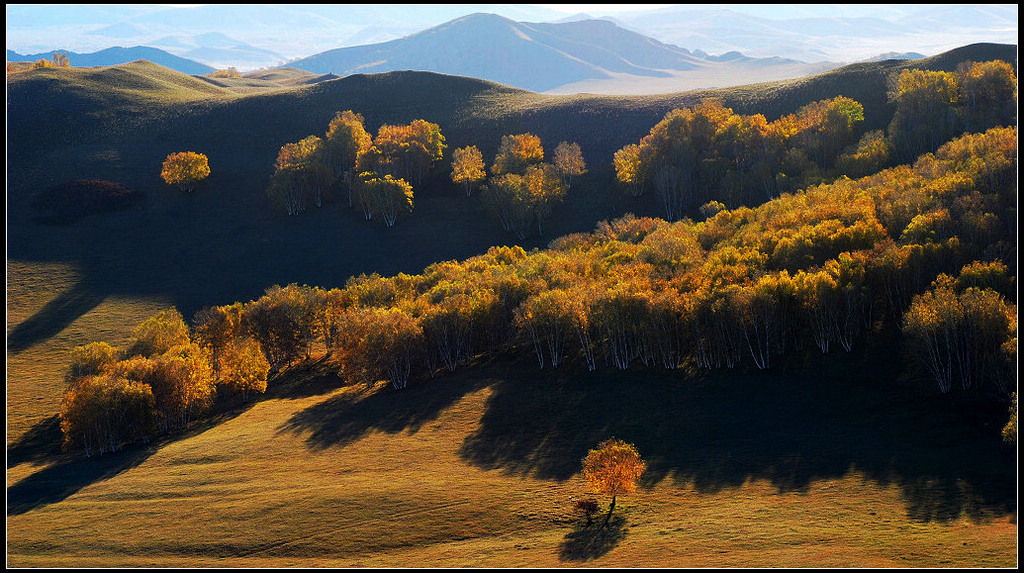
613 468
185 169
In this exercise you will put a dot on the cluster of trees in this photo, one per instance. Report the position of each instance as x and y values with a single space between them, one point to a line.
229 72
377 172
57 60
709 153
933 107
522 188
706 153
164 378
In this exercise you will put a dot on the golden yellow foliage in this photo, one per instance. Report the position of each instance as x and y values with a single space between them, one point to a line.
613 468
185 169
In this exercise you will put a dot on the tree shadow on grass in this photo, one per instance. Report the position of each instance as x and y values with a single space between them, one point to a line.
307 378
809 419
68 473
40 443
54 317
345 418
584 542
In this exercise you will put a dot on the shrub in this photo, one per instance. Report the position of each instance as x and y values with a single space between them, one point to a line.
71 201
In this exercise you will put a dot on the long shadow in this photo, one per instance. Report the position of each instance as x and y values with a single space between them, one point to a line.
813 418
344 419
307 378
40 443
584 543
54 316
63 479
70 472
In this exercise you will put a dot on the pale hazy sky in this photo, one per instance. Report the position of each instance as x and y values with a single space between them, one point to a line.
598 8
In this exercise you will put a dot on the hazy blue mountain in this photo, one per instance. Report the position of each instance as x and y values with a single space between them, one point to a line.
269 35
824 31
533 56
118 55
286 31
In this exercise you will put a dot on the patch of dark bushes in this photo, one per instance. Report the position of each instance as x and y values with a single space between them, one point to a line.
71 201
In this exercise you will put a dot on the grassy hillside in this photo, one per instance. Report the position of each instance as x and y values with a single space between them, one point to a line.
475 469
120 123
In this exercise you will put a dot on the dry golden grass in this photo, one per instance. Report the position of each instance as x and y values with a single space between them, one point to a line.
250 492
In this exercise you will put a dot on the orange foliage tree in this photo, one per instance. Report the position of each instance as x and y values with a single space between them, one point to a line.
613 468
185 169
345 140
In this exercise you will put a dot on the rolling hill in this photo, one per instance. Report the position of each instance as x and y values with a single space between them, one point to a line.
81 134
118 55
473 469
543 57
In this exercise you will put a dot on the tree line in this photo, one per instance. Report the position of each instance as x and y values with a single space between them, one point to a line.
706 153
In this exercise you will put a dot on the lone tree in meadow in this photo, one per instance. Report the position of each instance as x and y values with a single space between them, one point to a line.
185 169
613 468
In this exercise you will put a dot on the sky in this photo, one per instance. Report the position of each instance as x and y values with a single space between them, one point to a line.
600 9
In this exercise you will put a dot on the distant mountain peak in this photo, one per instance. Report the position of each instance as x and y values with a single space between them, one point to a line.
537 56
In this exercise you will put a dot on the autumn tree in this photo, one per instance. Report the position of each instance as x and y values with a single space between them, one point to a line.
90 359
628 169
545 188
959 336
516 153
158 334
103 412
870 155
988 93
927 112
300 175
284 321
183 384
1009 430
468 167
242 367
380 344
215 327
613 468
403 151
185 169
386 197
346 139
568 159
60 60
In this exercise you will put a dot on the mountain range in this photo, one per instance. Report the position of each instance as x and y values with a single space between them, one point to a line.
529 47
119 55
545 57
264 35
